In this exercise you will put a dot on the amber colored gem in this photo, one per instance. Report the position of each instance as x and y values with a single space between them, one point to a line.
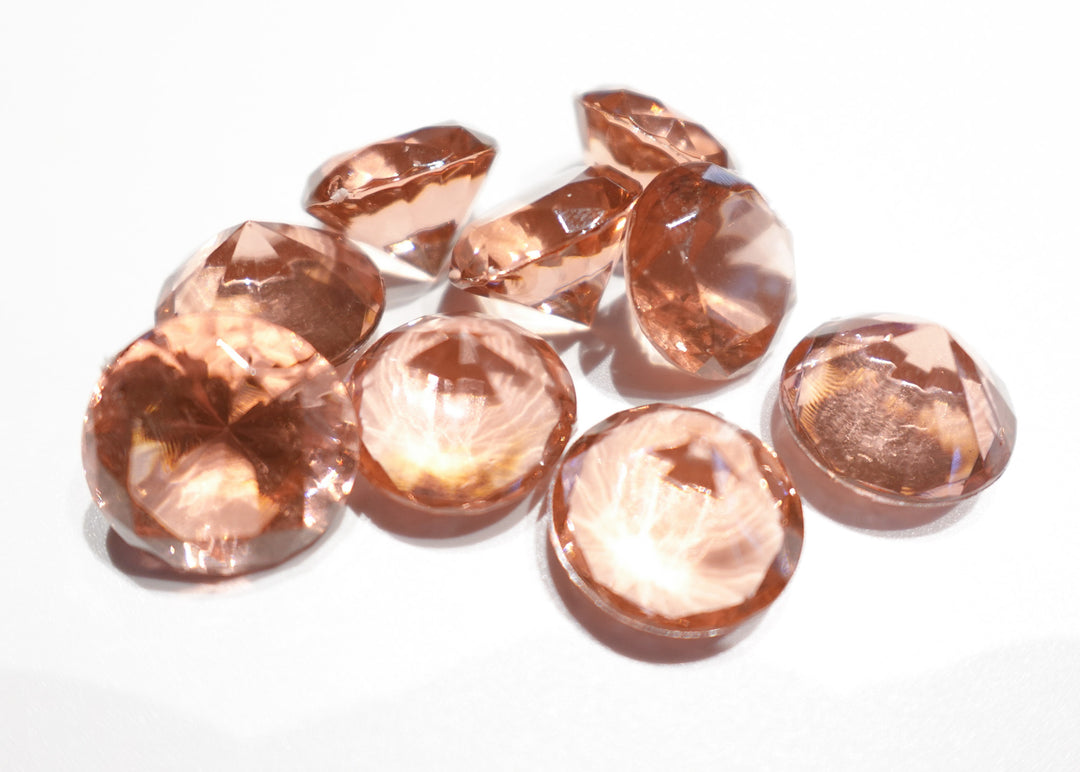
555 254
407 195
897 408
314 282
675 521
461 414
640 136
220 443
709 270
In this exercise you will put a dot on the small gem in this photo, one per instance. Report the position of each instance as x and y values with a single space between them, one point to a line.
675 521
709 270
897 408
313 282
407 195
220 443
555 254
461 414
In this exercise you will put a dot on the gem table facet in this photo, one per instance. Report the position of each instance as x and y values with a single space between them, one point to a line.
898 409
220 443
675 521
709 270
461 414
407 195
555 254
638 135
314 282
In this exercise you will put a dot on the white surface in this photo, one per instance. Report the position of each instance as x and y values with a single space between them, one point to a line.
925 159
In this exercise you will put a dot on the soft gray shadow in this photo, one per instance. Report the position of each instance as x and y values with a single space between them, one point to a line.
404 289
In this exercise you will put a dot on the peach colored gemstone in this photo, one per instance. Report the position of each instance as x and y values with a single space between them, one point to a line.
640 136
461 414
407 195
897 408
709 270
675 521
555 254
220 443
314 282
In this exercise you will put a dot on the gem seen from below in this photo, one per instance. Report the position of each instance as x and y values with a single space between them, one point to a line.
220 443
898 409
314 282
638 135
461 414
407 195
555 254
675 521
709 270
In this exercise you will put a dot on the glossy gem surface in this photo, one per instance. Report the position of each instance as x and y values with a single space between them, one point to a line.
555 254
220 443
407 195
314 282
640 136
675 521
897 408
709 270
461 414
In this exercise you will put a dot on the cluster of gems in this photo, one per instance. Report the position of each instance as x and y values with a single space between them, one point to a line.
227 438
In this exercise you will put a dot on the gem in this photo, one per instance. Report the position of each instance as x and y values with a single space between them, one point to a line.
220 443
675 521
638 135
897 408
461 414
555 254
313 282
406 195
709 270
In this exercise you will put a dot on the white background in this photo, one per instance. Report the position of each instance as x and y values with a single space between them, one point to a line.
925 159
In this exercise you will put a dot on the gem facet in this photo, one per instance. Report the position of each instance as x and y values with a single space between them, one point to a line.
897 408
555 254
406 195
675 521
461 414
638 135
220 443
313 282
709 270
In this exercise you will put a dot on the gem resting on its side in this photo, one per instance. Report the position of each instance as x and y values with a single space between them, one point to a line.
897 408
675 521
638 135
555 254
220 443
461 414
406 195
316 283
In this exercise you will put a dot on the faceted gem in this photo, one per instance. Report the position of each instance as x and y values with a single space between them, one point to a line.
555 254
709 270
461 414
220 443
675 521
314 282
638 135
897 408
406 195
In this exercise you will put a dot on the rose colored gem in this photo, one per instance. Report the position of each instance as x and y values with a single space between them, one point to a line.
555 254
640 136
897 408
406 195
709 270
313 282
220 443
675 521
461 414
